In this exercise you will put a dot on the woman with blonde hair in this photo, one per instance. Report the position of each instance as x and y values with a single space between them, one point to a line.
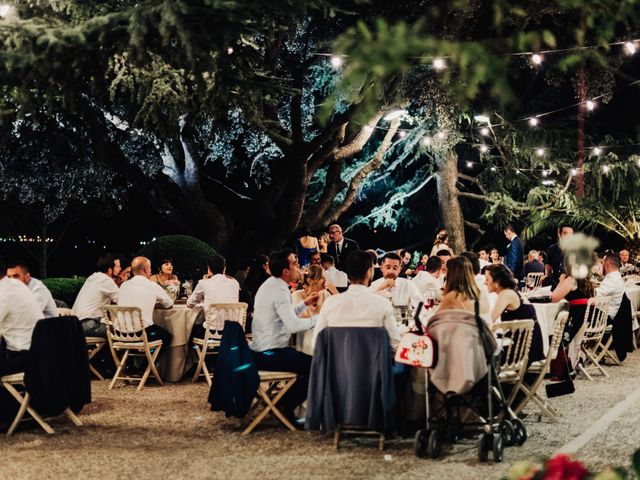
461 291
313 282
441 243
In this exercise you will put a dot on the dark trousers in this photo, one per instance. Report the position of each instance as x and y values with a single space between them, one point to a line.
13 362
154 332
287 360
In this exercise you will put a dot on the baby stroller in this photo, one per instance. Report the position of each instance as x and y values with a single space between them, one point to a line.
465 382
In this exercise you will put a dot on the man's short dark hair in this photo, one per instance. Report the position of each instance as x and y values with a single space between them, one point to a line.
510 228
3 267
106 262
402 252
358 263
475 261
391 256
484 249
18 263
443 253
326 258
613 259
434 264
562 225
279 261
216 264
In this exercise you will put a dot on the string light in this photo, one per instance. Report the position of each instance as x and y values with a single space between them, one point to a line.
574 172
630 48
638 162
484 149
426 141
518 170
606 168
548 182
534 121
4 10
230 51
536 59
336 61
597 150
484 131
469 164
493 169
540 152
439 64
402 134
441 135
545 173
590 104
482 119
395 114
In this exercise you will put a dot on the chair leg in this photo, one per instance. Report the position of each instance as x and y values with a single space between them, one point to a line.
336 438
596 364
151 367
121 363
201 355
271 405
24 405
381 442
93 353
73 417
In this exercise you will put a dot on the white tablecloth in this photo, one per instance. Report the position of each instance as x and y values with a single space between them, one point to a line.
634 297
546 314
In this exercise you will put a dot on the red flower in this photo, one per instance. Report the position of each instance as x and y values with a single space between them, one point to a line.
562 467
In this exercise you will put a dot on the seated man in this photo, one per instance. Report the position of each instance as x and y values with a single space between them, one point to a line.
19 270
444 256
147 295
331 273
533 265
99 290
400 291
428 280
275 318
358 306
19 313
612 285
216 287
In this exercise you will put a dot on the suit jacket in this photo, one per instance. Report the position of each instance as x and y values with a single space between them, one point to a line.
514 259
535 266
554 258
348 246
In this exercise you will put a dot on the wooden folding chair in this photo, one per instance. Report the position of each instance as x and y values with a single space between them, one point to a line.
344 430
10 382
215 316
541 368
125 333
95 344
534 280
516 343
273 386
591 333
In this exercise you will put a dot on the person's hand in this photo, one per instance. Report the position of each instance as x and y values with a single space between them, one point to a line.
409 272
312 300
206 276
388 283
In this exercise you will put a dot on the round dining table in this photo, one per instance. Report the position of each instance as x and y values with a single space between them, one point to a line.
178 321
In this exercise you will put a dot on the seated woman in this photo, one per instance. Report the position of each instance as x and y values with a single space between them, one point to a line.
461 290
313 282
511 306
494 257
165 276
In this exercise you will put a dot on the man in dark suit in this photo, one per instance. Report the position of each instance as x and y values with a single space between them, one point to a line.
554 254
340 247
514 259
533 265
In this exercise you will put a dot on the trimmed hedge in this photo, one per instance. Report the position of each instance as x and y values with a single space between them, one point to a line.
65 289
189 255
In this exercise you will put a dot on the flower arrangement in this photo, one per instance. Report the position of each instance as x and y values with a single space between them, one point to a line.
173 290
578 251
563 467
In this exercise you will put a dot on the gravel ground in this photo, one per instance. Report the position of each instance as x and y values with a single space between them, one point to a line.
169 432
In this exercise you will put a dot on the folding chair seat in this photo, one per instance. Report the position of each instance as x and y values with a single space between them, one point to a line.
125 333
516 341
215 316
273 386
541 368
591 334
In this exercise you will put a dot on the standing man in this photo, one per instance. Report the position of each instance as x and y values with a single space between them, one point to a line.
399 291
275 318
98 291
555 255
340 247
19 270
514 259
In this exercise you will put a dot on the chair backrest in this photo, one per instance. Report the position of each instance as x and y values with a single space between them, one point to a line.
595 319
124 324
516 343
215 315
534 280
556 336
401 313
65 312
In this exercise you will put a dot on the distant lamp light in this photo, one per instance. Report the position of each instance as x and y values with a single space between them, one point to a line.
630 48
518 170
597 150
439 64
534 121
590 104
395 114
230 51
493 169
548 182
4 10
402 134
336 61
545 173
441 135
574 172
536 59
540 152
606 168
484 131
469 164
484 149
426 141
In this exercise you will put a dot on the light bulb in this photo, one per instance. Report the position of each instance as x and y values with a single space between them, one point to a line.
426 141
439 64
574 172
540 152
630 48
597 151
4 10
536 59
484 131
469 164
606 168
395 114
493 169
230 51
545 173
441 135
534 121
484 149
402 133
590 104
336 61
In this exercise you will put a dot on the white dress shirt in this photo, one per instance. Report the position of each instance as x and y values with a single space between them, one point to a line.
405 292
426 283
274 316
358 307
612 286
337 277
217 289
98 291
143 293
44 298
19 312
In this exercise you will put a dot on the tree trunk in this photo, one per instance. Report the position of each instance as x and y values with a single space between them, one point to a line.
448 202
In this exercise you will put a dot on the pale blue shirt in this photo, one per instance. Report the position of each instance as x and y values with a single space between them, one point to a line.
274 316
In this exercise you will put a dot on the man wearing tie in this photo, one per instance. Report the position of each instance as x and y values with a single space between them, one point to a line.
340 247
514 259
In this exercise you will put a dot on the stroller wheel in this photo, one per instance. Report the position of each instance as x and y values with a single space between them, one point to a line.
508 432
520 432
434 444
498 448
420 442
485 443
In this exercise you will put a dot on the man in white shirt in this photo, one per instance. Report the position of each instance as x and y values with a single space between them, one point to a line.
400 291
358 306
275 318
141 292
216 287
483 257
98 291
331 273
428 280
19 313
612 285
19 270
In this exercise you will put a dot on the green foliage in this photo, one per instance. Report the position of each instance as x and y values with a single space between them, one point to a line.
189 255
65 289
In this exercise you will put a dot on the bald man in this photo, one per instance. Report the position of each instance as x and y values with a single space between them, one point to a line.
141 292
